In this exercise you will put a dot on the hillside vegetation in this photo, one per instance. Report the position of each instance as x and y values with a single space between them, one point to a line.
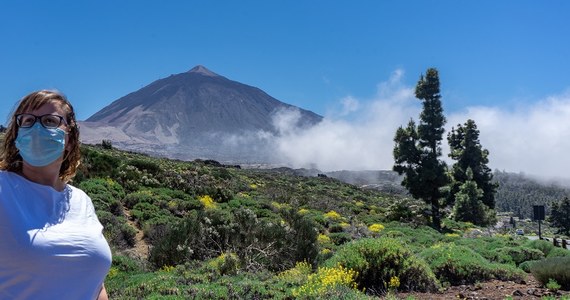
183 230
518 193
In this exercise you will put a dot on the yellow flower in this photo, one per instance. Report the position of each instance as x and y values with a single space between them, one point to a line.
113 272
303 211
207 201
333 215
167 269
325 279
278 205
243 194
376 227
172 204
394 282
323 239
299 273
453 235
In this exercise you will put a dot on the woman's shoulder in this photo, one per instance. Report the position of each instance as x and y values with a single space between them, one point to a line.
7 176
80 199
76 192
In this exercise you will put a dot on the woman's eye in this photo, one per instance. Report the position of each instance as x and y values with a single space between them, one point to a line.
27 121
51 121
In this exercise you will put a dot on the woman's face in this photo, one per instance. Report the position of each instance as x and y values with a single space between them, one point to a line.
53 108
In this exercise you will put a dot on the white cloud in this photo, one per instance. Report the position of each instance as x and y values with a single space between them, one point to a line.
349 105
364 142
533 139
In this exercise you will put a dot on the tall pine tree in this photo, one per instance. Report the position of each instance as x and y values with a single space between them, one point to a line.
418 149
468 153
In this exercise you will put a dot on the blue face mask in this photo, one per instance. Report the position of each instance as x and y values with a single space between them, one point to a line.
40 146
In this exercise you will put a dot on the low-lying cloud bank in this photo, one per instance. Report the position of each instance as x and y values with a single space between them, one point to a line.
533 139
358 134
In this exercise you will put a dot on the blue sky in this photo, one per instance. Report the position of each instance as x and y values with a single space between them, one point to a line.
331 57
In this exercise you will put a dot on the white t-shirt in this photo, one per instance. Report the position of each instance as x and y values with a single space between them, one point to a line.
51 243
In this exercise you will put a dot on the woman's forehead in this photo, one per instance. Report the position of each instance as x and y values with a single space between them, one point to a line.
45 107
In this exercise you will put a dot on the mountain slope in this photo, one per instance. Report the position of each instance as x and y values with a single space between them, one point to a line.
195 113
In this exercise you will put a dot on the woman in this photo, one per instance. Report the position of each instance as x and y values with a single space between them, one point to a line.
51 242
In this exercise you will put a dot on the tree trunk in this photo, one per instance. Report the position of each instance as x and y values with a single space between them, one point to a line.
435 217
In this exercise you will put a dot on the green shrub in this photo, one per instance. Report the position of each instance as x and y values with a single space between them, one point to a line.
132 178
376 261
115 229
134 198
394 234
96 164
542 245
259 243
558 252
406 210
339 238
417 239
525 266
506 272
335 228
555 268
553 285
487 247
498 256
144 211
457 265
127 264
225 264
518 255
296 275
145 165
106 194
143 286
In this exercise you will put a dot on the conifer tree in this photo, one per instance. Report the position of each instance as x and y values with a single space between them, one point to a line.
560 216
468 153
468 205
418 149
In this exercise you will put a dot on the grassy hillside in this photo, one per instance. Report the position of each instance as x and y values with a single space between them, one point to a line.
199 229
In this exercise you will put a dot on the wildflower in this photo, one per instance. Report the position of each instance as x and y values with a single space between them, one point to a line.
207 201
167 269
323 239
333 215
376 227
394 282
325 279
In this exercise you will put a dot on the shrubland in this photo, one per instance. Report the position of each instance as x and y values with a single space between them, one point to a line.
221 232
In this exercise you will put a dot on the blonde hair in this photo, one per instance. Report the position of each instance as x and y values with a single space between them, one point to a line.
10 159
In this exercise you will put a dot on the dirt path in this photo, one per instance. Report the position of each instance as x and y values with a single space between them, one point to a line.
141 248
494 289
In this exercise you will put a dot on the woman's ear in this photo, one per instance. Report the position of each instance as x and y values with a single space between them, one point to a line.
68 142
